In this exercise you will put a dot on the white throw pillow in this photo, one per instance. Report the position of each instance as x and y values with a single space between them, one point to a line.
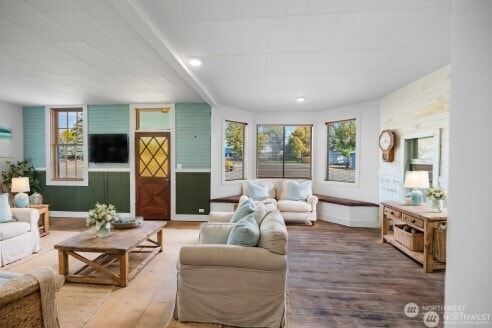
258 191
272 192
5 212
245 232
299 191
296 190
246 207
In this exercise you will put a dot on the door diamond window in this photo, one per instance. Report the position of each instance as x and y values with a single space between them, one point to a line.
153 157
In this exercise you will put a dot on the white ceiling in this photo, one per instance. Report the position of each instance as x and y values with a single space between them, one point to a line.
258 55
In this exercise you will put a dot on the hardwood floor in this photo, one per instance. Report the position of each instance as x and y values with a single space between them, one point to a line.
338 277
345 277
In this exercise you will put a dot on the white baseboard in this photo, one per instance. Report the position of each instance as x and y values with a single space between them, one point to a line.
66 214
351 216
177 217
188 217
334 219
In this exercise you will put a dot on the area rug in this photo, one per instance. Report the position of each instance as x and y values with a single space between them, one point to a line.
176 324
77 303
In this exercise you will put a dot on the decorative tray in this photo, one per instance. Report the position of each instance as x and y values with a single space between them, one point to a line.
128 225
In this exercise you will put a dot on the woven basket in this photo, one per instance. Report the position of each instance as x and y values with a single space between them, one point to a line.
412 241
439 244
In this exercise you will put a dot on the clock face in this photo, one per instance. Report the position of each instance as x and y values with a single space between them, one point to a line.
385 140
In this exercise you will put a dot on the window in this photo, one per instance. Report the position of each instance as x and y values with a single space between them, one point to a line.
283 151
67 160
153 119
342 141
234 150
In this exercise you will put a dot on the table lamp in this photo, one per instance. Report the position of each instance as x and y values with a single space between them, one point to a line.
416 180
20 185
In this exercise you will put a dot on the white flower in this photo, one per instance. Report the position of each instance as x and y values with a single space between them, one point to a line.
102 213
435 194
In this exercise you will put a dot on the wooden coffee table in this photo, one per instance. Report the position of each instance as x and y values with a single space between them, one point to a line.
132 249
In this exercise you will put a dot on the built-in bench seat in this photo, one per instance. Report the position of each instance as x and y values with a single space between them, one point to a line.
344 201
228 199
349 212
224 204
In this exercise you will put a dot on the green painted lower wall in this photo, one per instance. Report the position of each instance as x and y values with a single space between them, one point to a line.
192 193
104 187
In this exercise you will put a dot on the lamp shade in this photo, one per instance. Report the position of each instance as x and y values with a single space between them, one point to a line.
416 179
20 184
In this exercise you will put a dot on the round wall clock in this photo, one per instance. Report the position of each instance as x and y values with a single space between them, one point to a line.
387 143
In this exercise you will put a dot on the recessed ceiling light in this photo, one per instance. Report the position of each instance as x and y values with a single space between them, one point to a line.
195 62
300 99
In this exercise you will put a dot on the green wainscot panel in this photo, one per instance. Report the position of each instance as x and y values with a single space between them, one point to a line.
104 187
192 193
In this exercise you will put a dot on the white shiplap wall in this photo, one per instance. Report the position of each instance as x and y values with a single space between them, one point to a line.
421 106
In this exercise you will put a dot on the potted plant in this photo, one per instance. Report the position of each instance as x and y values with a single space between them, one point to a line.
23 169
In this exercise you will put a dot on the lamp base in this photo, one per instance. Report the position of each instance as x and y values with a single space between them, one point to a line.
21 200
416 197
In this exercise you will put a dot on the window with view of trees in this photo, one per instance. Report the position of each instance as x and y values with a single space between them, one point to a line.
342 153
67 144
234 150
283 151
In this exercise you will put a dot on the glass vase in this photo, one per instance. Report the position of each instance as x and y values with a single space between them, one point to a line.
436 205
36 199
103 229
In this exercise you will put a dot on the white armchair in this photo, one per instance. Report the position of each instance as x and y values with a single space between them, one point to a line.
234 285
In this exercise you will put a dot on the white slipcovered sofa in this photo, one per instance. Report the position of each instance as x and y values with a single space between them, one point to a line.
234 285
292 210
19 234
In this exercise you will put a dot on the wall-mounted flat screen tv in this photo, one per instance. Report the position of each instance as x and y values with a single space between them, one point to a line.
108 148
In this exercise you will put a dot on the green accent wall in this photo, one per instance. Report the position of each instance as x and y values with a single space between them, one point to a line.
104 187
192 192
193 124
192 149
34 138
101 119
108 118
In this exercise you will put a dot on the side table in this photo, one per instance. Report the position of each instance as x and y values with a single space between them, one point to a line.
44 218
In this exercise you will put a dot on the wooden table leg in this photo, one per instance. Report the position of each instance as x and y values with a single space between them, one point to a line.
159 239
384 223
428 256
63 262
124 266
47 221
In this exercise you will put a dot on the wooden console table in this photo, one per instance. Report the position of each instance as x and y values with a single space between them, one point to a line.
419 217
44 218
